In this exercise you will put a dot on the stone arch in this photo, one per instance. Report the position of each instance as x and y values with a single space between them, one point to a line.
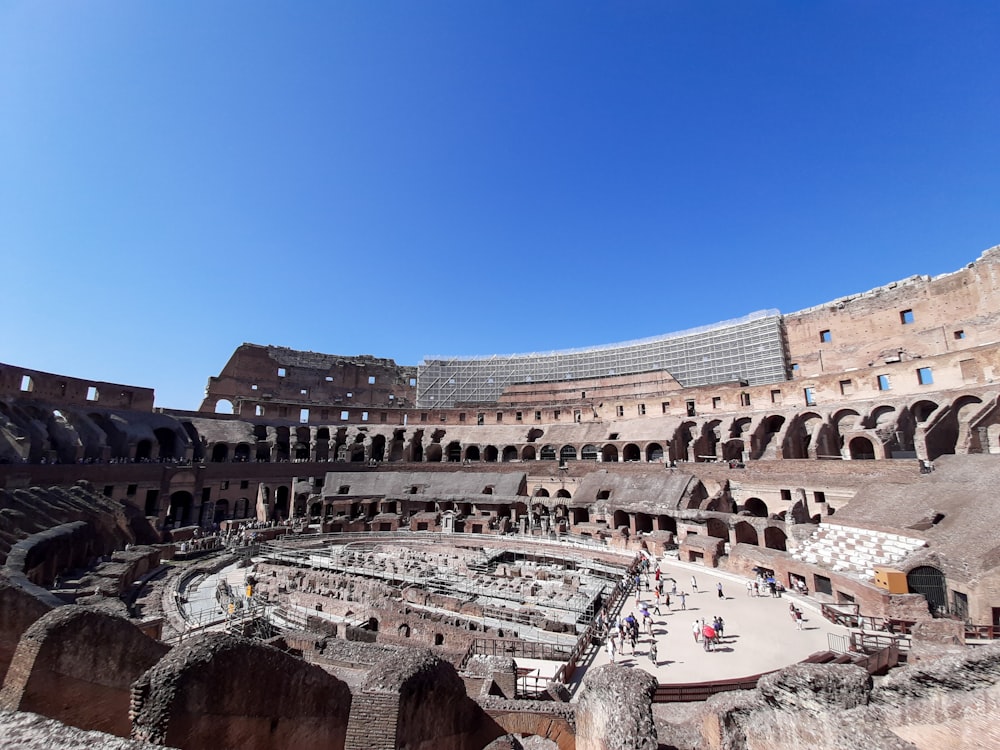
631 452
144 450
548 453
755 507
666 523
378 448
281 497
403 630
717 528
220 453
491 454
397 446
862 449
454 452
682 441
740 427
472 453
654 452
563 493
882 417
180 510
242 508
923 409
609 454
621 519
541 492
588 452
167 442
775 538
567 453
643 522
224 406
528 453
745 533
357 451
929 581
509 454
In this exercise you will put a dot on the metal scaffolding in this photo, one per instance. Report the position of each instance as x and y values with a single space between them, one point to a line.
750 349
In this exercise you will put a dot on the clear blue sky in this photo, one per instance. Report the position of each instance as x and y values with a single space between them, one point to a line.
413 178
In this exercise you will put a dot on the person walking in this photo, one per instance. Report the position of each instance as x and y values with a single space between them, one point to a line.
718 587
683 597
696 630
652 653
694 584
611 649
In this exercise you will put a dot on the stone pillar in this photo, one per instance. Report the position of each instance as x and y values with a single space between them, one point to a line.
615 710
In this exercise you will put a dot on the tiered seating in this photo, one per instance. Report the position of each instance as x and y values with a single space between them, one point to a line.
846 549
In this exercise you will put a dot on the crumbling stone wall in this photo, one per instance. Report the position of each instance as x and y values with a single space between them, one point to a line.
615 711
222 691
418 702
18 610
76 664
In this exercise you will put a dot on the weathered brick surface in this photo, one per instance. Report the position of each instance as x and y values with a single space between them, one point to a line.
76 664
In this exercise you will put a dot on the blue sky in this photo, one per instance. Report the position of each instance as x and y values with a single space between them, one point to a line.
406 179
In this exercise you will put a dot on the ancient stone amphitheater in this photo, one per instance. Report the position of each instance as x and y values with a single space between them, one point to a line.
343 552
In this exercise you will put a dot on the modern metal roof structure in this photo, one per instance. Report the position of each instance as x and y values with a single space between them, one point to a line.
750 348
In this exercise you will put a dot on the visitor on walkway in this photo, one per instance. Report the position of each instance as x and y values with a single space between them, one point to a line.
696 630
652 652
683 596
694 585
718 587
751 589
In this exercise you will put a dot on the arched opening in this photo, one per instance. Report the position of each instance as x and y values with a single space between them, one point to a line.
417 446
224 406
621 519
220 453
509 454
541 492
372 625
654 452
745 533
434 453
563 493
588 453
242 508
179 511
283 444
378 448
718 529
281 503
167 442
922 410
548 453
756 507
143 450
666 523
930 582
643 522
403 630
774 538
472 453
454 452
609 454
301 451
438 639
631 453
862 449
241 453
396 446
491 454
528 453
567 453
